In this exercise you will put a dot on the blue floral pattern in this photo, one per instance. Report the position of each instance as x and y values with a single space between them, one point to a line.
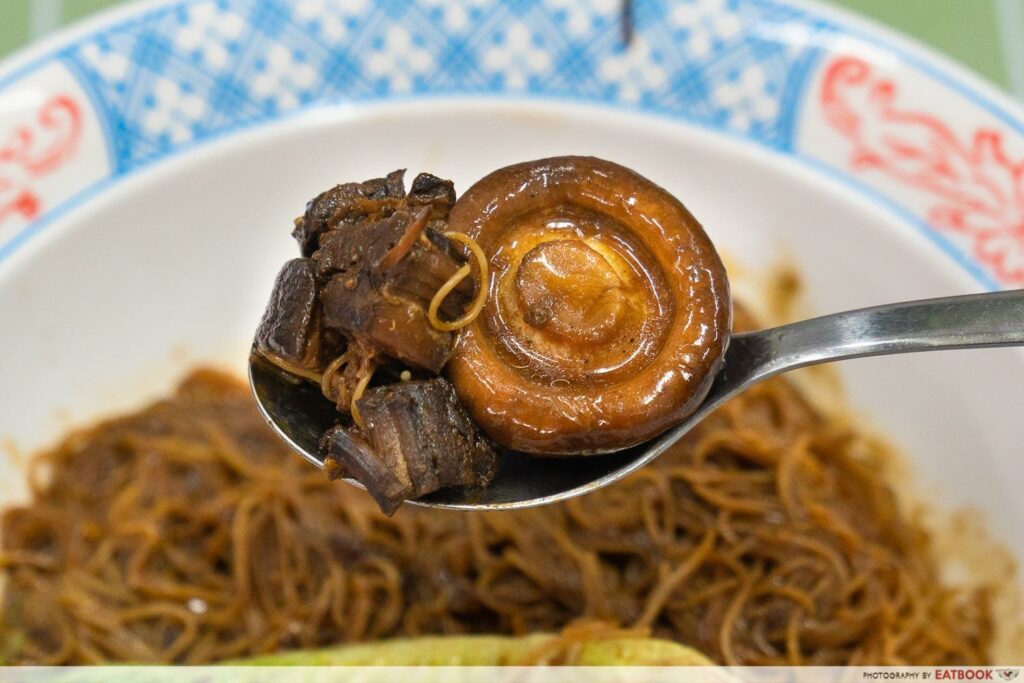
182 72
195 68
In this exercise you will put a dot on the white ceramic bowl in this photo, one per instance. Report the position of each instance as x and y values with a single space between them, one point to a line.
167 148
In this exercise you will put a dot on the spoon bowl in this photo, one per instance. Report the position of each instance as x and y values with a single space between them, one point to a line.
300 414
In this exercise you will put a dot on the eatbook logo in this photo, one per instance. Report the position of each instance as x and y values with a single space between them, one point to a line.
34 149
975 190
1007 674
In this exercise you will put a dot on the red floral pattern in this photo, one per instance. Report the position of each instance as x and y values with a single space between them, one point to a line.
34 150
977 190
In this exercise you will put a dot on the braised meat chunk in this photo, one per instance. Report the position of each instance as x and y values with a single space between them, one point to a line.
380 278
437 193
349 203
423 425
420 436
347 454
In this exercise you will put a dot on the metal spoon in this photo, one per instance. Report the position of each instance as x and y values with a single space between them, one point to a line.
300 414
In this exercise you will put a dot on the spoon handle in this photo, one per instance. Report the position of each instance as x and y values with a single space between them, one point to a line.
958 322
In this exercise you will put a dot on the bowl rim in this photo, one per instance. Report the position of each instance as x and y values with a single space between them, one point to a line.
842 25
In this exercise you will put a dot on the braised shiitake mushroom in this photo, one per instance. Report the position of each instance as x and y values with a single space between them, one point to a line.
608 309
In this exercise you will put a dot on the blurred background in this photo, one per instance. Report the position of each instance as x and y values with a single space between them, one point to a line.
985 35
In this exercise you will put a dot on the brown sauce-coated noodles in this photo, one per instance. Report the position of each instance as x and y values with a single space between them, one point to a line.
188 533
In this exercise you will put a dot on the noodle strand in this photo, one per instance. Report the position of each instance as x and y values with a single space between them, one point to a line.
461 274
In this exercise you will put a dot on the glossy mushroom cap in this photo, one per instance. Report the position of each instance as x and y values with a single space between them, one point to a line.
608 312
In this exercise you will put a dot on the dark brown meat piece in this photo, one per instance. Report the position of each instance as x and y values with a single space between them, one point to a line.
426 267
426 436
349 455
289 333
421 435
355 250
351 203
381 277
438 194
